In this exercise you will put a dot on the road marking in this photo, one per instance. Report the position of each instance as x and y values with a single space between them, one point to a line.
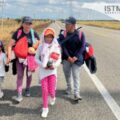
107 97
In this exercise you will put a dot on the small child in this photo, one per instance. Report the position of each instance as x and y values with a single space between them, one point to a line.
2 67
48 57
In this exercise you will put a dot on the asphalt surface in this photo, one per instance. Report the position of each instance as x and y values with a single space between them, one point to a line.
93 106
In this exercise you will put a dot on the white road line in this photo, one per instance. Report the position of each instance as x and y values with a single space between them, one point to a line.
107 97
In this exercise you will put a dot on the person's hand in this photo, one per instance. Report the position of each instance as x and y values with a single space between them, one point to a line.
70 59
51 67
75 58
31 50
46 68
8 60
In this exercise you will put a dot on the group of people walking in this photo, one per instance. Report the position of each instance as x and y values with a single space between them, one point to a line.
46 53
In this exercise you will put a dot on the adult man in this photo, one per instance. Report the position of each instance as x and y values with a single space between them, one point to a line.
72 55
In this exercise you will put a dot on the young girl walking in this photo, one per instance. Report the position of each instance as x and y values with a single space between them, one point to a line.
48 57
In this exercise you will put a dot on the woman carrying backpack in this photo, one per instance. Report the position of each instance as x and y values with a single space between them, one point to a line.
24 31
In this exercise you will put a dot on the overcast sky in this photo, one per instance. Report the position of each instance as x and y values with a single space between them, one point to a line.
52 9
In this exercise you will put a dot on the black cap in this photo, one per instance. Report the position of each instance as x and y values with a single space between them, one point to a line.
70 20
27 19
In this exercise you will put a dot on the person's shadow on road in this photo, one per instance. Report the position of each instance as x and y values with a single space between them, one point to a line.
61 94
8 107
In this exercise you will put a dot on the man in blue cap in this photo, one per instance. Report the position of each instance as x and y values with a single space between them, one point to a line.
72 55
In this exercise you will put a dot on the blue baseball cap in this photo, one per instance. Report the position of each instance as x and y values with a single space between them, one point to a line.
27 19
70 20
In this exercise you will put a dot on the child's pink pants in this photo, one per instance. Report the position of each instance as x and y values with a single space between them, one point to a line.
48 85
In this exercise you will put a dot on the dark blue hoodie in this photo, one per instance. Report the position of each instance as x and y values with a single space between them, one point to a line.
73 47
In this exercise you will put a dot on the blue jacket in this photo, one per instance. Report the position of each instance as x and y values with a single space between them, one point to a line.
73 47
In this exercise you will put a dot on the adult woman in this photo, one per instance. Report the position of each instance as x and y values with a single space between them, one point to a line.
24 30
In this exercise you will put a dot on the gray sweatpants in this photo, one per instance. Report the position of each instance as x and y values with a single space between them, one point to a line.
72 72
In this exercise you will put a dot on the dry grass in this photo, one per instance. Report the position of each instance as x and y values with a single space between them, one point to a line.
11 25
105 24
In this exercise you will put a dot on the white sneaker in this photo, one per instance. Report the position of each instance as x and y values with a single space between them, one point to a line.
1 94
52 101
18 98
77 97
44 112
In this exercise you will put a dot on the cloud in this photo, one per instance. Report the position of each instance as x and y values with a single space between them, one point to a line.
51 8
111 9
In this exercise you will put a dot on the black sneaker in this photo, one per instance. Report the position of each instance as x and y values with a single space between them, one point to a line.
27 92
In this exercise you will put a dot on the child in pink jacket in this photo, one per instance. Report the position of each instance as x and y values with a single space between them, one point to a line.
48 57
